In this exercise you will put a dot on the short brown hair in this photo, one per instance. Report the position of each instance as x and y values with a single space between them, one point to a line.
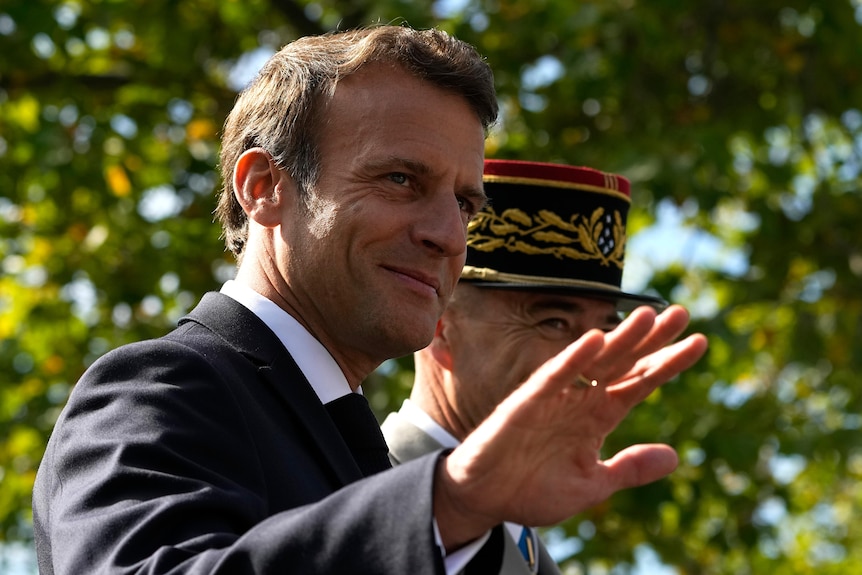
280 109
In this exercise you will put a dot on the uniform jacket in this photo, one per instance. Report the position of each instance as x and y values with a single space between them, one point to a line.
207 451
408 443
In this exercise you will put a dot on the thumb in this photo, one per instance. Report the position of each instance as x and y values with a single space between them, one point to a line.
640 464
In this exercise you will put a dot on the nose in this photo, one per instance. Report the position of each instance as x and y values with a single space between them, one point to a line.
442 227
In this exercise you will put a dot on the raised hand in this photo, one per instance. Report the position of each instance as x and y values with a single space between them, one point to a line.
536 459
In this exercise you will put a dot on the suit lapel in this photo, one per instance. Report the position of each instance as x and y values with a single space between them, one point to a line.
237 325
547 565
287 380
513 561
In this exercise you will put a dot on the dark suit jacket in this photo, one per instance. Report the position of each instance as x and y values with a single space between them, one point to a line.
207 451
407 443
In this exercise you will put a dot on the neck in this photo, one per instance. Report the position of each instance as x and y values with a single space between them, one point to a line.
429 396
354 365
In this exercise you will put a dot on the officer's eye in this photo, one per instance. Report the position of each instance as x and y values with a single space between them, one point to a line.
399 178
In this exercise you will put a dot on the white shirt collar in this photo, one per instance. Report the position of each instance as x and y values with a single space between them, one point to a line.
415 415
313 359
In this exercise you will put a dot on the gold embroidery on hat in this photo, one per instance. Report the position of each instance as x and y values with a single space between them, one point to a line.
546 233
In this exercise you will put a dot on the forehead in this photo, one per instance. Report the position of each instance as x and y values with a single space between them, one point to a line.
383 111
373 83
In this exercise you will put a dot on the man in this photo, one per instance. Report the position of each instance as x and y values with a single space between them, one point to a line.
544 266
351 165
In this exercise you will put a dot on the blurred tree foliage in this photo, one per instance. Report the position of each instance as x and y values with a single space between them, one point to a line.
742 119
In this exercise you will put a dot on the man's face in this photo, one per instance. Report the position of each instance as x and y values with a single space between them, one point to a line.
376 257
498 338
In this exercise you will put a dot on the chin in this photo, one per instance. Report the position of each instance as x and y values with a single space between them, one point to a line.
409 341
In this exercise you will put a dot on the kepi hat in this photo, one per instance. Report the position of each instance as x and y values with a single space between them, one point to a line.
552 227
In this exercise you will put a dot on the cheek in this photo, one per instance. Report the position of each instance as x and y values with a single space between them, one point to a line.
447 284
508 366
458 262
323 224
531 355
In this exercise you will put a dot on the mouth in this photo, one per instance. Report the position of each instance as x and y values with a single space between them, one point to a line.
417 280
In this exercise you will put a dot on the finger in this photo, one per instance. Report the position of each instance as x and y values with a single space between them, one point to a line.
616 358
668 326
658 368
541 390
640 464
665 328
562 370
625 347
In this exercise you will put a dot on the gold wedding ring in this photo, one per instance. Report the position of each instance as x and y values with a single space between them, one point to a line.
584 382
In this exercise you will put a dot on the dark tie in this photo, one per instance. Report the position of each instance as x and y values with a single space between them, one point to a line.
489 559
361 432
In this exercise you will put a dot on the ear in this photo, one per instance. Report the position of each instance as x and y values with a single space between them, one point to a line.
261 188
440 347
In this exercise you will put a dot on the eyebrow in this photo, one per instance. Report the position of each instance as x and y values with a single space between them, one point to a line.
557 304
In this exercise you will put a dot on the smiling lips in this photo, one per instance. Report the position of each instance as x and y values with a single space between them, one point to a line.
419 280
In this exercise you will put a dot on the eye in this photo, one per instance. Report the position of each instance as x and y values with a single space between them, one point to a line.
555 323
399 178
555 329
467 206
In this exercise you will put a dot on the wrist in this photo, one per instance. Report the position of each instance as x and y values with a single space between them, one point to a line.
457 522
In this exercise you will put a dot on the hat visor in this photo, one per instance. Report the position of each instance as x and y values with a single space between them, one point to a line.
625 302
